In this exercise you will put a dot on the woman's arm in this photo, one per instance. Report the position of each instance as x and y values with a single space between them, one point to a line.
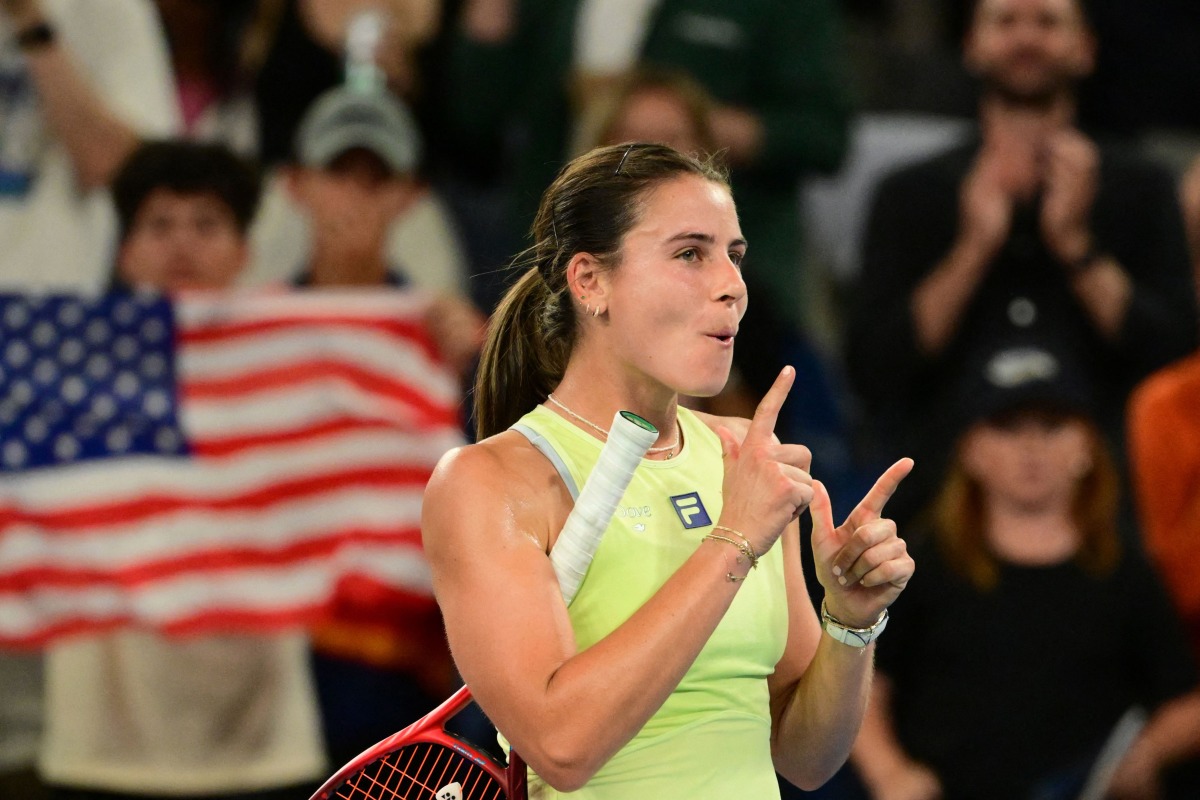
820 687
488 514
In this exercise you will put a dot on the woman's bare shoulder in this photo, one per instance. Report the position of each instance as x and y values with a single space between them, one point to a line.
502 482
496 466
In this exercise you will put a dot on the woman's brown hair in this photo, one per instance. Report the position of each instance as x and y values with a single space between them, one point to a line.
958 519
595 200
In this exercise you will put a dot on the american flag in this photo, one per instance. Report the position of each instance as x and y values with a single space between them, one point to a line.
215 461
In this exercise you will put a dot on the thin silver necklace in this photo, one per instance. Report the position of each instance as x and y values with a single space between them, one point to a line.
668 449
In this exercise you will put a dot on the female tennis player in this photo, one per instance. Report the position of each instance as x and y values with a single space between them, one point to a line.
690 663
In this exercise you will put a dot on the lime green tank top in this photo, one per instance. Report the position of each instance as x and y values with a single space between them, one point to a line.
711 738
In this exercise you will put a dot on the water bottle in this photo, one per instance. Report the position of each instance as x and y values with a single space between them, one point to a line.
363 35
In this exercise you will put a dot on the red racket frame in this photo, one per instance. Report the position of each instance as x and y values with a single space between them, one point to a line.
356 781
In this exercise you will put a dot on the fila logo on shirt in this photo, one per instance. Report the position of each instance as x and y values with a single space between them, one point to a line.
690 510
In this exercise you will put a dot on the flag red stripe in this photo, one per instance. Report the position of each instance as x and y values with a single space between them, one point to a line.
131 511
313 372
408 332
226 559
220 447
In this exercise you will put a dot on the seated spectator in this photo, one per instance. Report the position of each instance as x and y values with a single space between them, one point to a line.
354 176
416 244
1032 630
354 173
1030 226
135 713
185 212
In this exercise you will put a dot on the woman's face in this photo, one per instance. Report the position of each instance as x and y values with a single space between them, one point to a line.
675 299
1031 460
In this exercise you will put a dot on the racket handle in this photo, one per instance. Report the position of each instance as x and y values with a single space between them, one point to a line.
629 438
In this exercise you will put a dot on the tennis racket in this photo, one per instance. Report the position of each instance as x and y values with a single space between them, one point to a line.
425 761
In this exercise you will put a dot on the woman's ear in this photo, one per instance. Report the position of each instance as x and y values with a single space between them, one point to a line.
589 283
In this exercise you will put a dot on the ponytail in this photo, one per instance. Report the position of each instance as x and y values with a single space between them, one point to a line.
529 340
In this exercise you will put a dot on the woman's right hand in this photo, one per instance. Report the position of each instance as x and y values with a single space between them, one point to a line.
766 484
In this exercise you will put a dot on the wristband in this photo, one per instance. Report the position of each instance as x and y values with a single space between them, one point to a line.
36 36
855 637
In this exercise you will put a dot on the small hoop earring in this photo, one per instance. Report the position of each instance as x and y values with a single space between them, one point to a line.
589 310
596 313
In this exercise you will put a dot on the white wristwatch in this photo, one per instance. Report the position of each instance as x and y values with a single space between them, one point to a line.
855 637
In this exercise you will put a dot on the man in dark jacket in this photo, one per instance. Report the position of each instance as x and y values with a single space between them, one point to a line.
1031 227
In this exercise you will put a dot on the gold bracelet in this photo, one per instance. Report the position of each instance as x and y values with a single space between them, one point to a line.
744 553
745 546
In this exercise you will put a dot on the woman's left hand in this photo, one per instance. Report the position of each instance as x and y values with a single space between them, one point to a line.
862 564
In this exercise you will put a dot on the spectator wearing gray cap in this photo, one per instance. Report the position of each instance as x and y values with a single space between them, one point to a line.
422 245
355 175
355 172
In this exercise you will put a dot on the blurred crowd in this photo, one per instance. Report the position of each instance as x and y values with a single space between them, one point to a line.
974 229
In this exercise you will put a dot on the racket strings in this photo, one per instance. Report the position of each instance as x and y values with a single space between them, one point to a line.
418 772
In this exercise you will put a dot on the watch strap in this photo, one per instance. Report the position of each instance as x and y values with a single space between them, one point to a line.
855 637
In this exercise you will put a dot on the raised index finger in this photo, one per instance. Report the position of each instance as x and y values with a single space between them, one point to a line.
762 427
871 506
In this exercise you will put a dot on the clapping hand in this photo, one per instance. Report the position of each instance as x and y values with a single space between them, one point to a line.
1071 180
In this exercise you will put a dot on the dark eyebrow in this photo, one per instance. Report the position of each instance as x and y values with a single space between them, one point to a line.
707 238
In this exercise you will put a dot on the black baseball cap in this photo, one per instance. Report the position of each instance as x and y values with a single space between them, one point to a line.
1020 376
